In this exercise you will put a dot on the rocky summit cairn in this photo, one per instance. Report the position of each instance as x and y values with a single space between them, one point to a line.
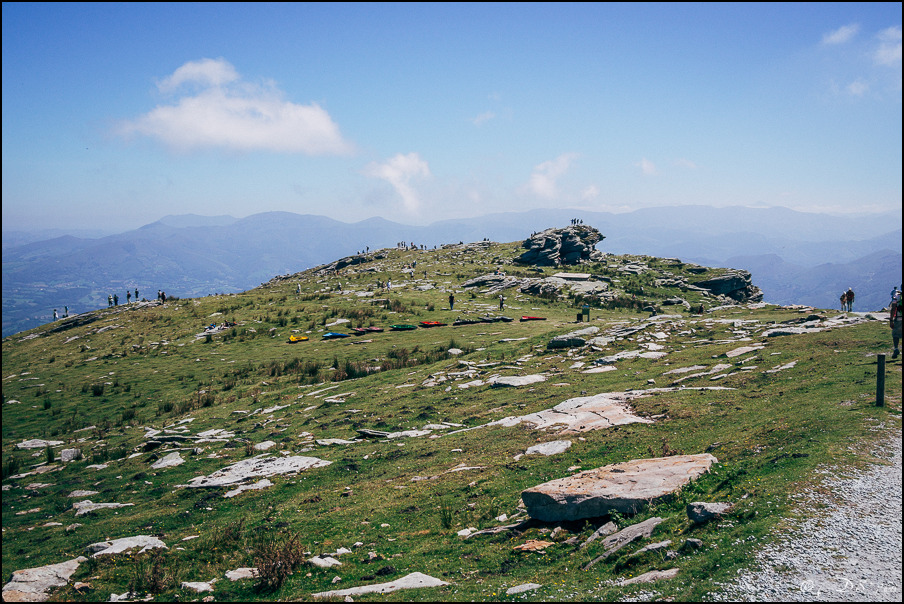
556 247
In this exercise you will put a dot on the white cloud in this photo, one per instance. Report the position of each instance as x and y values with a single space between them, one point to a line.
841 35
646 166
209 72
889 51
483 117
225 112
685 163
399 171
857 88
542 182
589 193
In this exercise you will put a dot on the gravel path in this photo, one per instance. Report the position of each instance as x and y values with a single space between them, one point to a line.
848 551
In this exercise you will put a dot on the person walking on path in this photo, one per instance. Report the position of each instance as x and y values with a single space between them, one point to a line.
850 299
451 301
501 302
895 313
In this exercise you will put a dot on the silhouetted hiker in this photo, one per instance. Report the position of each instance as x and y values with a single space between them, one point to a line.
451 301
128 297
163 297
136 294
850 299
115 300
895 313
55 317
65 311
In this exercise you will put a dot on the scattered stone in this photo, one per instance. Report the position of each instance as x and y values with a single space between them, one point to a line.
551 448
691 544
37 443
606 529
256 467
35 584
198 586
86 507
582 414
516 380
624 487
522 588
613 543
260 484
267 444
244 572
411 581
119 546
701 512
534 545
555 247
169 461
573 339
653 547
82 493
67 455
324 561
653 575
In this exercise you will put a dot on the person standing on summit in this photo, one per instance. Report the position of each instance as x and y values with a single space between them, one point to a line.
849 296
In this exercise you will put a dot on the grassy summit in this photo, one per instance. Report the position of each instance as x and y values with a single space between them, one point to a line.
130 385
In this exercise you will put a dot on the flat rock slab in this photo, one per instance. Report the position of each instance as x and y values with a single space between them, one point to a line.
623 487
627 535
700 512
255 468
169 461
257 486
86 507
412 581
35 584
551 448
516 380
37 443
582 414
522 588
653 575
118 546
244 572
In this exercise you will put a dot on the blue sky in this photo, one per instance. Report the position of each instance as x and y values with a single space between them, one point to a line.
115 115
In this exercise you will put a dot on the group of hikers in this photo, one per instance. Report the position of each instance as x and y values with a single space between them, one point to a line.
113 299
847 300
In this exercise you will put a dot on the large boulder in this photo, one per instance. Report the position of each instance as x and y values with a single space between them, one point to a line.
35 584
622 487
555 247
735 284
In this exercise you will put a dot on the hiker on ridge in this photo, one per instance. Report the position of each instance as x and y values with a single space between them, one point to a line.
895 313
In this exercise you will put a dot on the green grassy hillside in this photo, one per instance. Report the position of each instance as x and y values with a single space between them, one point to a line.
108 381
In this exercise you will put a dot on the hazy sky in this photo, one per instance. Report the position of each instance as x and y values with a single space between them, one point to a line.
115 115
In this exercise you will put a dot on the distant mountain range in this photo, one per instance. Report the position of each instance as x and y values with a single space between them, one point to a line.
794 257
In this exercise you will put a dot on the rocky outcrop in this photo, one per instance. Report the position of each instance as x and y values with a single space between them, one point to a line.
35 584
623 487
556 247
734 284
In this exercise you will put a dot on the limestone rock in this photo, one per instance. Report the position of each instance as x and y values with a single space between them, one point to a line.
522 588
582 414
701 512
623 487
35 584
514 381
67 455
37 443
169 461
411 581
260 484
735 284
119 546
615 542
653 575
573 339
256 467
244 572
554 247
551 448
86 507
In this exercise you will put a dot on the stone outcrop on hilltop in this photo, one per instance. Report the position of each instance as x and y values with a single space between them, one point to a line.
556 247
735 284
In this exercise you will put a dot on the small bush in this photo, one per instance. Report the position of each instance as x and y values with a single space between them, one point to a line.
275 560
11 467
